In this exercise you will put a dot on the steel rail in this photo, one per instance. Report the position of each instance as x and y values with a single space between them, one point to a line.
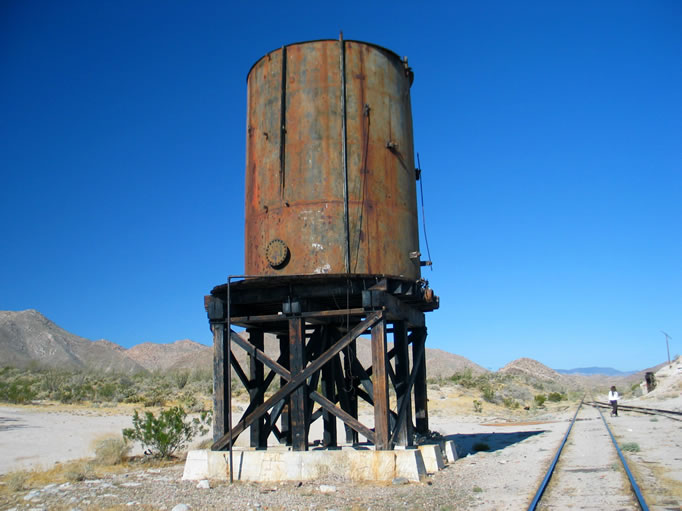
640 409
633 483
550 471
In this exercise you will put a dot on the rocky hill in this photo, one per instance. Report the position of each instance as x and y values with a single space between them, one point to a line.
176 355
533 369
27 338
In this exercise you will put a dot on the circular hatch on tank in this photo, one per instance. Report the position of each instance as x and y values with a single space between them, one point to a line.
277 253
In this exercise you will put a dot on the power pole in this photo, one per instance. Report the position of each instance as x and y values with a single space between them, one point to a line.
667 345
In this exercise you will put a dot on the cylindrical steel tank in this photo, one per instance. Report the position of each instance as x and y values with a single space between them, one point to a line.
330 174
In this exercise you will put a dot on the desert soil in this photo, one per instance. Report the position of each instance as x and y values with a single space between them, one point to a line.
520 445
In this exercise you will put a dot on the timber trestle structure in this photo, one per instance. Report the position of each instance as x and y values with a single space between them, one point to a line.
316 373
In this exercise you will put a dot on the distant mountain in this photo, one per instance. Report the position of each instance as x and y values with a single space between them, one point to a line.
153 356
27 338
607 371
531 368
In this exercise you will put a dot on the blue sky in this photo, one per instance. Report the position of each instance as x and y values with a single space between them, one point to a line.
550 137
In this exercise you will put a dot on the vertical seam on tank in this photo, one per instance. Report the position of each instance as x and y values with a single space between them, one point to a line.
282 123
344 161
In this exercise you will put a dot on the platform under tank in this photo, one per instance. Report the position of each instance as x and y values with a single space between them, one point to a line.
330 174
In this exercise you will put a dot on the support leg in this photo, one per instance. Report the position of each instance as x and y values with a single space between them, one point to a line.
420 399
258 434
402 370
220 383
381 408
298 396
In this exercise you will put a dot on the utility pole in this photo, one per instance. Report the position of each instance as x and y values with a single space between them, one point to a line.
667 345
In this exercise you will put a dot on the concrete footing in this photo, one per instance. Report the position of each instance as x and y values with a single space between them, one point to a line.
433 457
285 465
450 451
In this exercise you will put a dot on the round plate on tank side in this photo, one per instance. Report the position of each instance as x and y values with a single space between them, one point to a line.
277 253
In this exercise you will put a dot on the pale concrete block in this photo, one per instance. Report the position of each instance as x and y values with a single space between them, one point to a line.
410 465
196 466
433 458
450 450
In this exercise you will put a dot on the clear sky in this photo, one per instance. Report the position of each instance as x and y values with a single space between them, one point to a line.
550 136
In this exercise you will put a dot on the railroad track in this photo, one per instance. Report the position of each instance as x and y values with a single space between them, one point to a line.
670 414
585 472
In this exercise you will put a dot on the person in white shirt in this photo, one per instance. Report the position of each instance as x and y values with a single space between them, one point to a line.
613 399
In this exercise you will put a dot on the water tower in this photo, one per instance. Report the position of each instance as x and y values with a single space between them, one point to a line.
332 254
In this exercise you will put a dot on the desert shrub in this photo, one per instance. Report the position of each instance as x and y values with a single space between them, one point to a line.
510 403
19 391
630 447
181 379
488 393
464 378
478 406
169 431
111 451
540 399
478 489
17 480
555 397
79 471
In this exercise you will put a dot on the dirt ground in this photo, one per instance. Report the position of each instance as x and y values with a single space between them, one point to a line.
503 456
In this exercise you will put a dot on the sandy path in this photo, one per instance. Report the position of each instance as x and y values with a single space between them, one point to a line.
30 437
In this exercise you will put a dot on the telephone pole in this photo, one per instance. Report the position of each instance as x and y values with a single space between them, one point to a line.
667 346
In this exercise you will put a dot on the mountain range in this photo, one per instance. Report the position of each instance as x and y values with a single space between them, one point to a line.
29 339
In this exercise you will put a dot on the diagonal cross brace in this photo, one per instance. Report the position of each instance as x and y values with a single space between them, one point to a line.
372 319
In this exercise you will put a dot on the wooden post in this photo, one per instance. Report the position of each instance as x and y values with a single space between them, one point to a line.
285 424
420 399
220 387
380 377
402 370
299 440
257 431
329 391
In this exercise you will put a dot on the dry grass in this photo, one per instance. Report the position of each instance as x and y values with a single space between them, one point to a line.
111 450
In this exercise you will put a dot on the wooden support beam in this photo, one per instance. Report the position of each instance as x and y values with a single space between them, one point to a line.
220 382
381 408
345 417
283 361
396 310
329 435
421 409
297 398
404 426
256 391
240 372
410 383
296 381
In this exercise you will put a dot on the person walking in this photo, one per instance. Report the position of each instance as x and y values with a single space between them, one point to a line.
613 399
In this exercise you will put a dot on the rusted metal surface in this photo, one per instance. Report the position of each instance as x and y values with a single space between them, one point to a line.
295 172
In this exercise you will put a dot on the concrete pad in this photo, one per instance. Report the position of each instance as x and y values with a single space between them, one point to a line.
433 458
450 450
284 465
410 465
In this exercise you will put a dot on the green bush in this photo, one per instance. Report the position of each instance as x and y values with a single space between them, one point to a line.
630 447
540 399
555 397
488 393
169 431
510 403
478 406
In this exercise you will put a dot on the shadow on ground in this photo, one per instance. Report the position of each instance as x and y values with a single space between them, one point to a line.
7 423
472 443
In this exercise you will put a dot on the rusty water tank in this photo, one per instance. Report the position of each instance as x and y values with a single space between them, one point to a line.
330 174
